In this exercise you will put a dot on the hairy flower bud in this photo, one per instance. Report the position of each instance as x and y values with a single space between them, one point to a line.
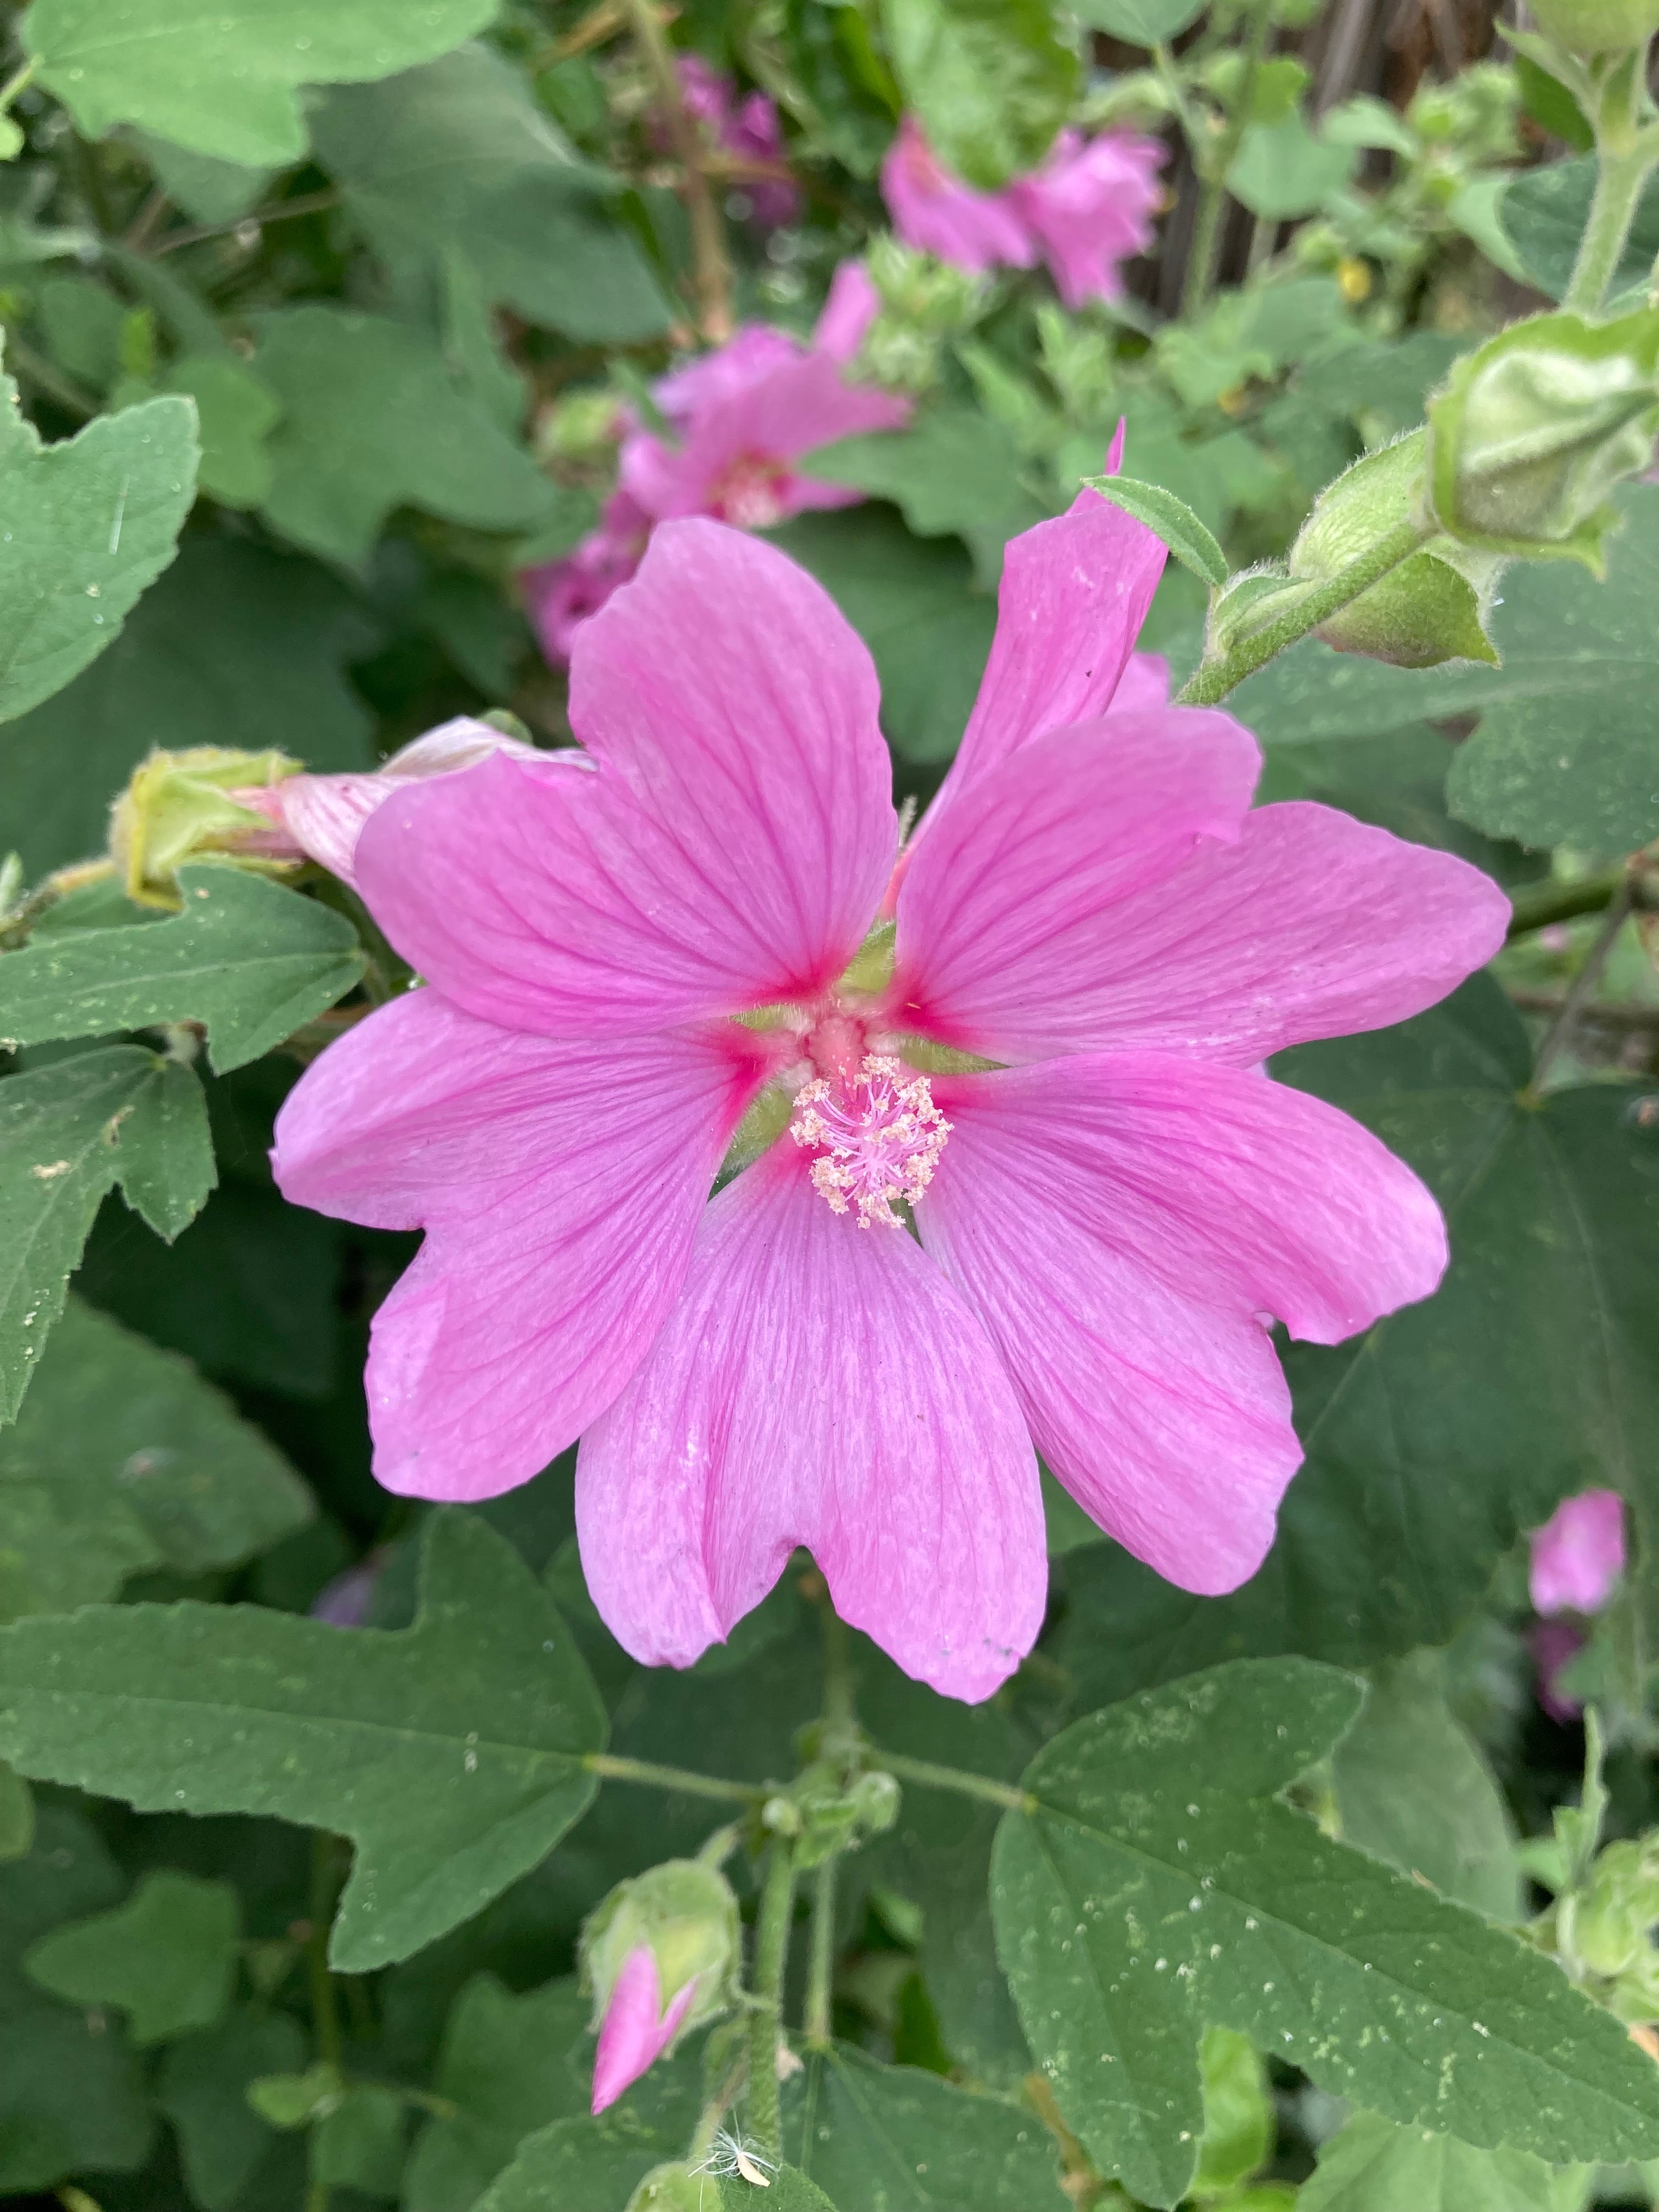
1432 608
1533 430
178 807
1597 26
659 1954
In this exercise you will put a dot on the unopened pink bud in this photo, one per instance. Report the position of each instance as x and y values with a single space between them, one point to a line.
636 2030
1579 1553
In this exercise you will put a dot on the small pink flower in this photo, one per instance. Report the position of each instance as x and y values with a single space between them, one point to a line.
559 596
1084 211
622 962
1554 1646
1578 1554
750 128
636 2030
318 817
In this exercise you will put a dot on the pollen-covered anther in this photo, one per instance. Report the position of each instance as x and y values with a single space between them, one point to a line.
879 1135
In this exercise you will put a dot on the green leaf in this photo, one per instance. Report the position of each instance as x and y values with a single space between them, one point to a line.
895 2139
373 420
250 961
89 522
233 640
989 80
16 1816
358 2143
234 412
208 191
202 2090
1282 170
602 2161
1412 1787
71 2094
1172 519
791 2193
459 158
1140 22
69 1133
1238 2111
915 606
1372 2166
312 1723
166 1957
226 82
1158 1886
1545 211
123 1460
509 2065
956 473
1435 1439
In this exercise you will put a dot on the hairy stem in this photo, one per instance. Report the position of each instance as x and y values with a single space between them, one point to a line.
820 1972
957 1778
1579 991
643 1771
1213 168
711 265
1624 156
771 1950
1214 679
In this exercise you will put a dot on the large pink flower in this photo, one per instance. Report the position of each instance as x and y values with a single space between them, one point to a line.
628 958
1087 209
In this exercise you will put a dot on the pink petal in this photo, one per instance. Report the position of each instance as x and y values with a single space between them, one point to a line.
852 305
635 2032
1090 207
1578 1554
1007 910
1310 925
818 1384
1142 686
727 848
1073 595
934 211
559 1187
1555 1645
1151 1387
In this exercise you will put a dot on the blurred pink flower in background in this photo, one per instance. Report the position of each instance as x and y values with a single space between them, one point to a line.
630 946
636 2028
1085 211
738 420
1577 1557
748 128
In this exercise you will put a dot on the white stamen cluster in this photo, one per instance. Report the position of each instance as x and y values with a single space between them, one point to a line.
880 1135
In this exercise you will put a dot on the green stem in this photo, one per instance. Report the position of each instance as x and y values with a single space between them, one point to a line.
324 2007
1579 991
610 1769
711 264
1214 679
840 1721
771 1950
16 82
1213 169
1624 156
1541 904
929 1776
821 1965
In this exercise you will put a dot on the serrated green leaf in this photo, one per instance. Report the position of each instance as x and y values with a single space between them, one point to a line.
225 81
69 1133
71 2094
509 2065
202 2090
1172 519
312 1723
250 961
122 1459
88 523
1140 22
1159 1885
373 420
989 80
1435 1439
895 2139
457 158
1372 2166
166 1958
1412 1787
235 641
1544 210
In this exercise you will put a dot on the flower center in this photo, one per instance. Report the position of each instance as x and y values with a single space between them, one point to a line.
878 1136
752 494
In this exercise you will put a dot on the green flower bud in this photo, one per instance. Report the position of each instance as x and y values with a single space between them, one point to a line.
876 1801
1432 608
1533 428
1635 1995
175 808
687 1914
1599 1931
1597 26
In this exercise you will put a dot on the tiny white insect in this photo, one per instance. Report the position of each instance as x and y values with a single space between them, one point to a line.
730 2153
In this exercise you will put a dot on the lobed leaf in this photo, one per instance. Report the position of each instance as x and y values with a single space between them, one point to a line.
166 1957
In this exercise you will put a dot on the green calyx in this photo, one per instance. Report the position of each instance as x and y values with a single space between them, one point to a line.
686 1914
1533 430
176 807
1434 607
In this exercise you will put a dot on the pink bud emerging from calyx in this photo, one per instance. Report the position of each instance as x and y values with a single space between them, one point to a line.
659 1953
1578 1555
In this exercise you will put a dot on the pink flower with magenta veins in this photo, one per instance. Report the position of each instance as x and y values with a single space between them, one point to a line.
1037 1042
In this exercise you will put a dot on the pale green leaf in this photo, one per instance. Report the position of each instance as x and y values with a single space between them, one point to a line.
223 79
1372 2166
1172 519
166 1957
312 1723
87 524
1140 22
1158 1887
123 1460
989 80
69 1133
1282 170
249 960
